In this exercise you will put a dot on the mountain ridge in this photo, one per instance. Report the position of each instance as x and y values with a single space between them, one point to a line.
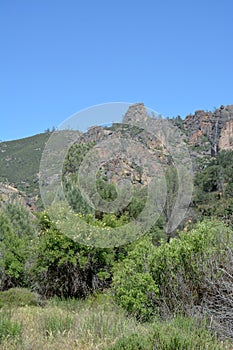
207 134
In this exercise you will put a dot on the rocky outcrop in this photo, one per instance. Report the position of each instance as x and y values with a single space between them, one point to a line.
206 132
8 192
210 132
121 147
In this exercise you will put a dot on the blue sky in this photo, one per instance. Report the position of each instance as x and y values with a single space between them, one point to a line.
58 57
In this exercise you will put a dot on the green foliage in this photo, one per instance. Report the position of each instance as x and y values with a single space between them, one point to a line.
8 328
133 283
18 297
75 198
217 174
172 184
51 262
133 342
213 195
209 179
20 219
106 220
137 203
106 190
177 334
17 233
75 156
66 268
151 276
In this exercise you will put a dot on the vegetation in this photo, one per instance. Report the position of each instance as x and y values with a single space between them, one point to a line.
20 160
158 292
10 330
178 333
15 297
182 277
65 268
171 278
17 237
213 194
97 323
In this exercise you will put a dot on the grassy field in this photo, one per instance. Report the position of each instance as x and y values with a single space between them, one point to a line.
74 324
96 323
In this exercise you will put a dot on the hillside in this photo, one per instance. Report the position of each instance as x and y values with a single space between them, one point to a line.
207 133
19 163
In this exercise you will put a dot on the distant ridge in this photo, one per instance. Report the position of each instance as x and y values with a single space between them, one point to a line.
207 133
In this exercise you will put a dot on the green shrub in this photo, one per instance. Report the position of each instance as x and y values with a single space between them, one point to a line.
170 277
66 268
133 283
17 234
19 297
177 334
133 342
213 192
183 334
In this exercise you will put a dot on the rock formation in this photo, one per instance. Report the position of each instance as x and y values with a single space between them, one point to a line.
210 132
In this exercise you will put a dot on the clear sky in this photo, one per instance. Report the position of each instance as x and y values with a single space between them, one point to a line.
60 56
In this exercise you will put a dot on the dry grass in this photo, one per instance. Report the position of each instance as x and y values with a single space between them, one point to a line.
67 325
92 324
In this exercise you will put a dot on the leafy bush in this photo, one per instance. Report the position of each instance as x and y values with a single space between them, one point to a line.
160 280
17 234
133 283
66 268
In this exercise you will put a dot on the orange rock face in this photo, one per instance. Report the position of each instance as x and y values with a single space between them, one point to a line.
226 138
211 128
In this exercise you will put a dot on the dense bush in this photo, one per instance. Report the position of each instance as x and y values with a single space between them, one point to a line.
169 278
35 254
66 268
213 193
17 235
133 282
19 297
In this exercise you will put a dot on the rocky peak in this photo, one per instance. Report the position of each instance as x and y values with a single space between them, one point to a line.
211 131
136 113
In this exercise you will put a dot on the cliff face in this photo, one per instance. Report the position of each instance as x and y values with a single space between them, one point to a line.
210 132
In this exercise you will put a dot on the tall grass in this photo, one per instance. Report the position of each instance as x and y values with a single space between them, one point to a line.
96 323
9 329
